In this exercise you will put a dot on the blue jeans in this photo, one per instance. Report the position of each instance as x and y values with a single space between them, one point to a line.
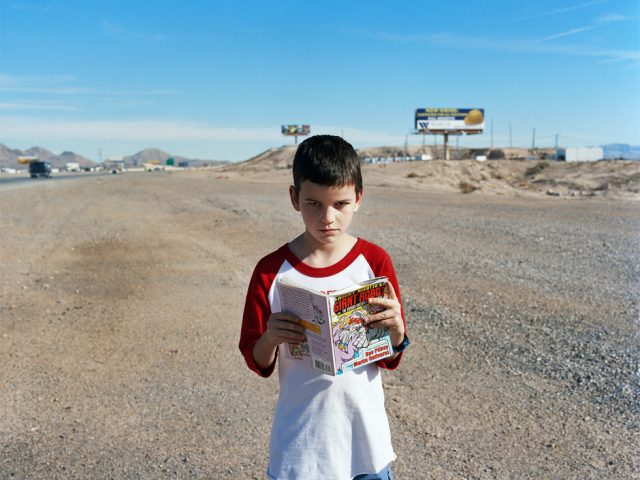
384 474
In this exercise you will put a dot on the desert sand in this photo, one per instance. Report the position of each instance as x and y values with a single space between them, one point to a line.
121 301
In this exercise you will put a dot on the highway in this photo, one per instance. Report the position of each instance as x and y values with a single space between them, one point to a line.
23 179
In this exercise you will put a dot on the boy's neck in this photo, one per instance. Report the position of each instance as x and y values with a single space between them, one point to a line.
318 255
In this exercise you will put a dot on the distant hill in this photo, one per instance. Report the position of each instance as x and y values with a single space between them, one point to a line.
155 154
615 151
273 159
9 156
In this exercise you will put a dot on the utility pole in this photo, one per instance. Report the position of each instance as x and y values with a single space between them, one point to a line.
533 140
492 134
510 144
446 146
406 140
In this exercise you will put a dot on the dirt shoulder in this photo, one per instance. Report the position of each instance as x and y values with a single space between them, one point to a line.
121 300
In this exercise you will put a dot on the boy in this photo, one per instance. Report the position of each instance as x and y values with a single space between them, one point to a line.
324 427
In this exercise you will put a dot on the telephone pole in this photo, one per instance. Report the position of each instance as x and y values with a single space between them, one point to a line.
492 134
406 141
533 140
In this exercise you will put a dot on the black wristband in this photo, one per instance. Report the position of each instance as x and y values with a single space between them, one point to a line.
404 344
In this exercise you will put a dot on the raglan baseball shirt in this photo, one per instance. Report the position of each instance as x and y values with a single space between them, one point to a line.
329 427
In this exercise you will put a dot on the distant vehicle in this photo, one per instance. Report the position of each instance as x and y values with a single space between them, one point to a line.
40 169
72 167
114 165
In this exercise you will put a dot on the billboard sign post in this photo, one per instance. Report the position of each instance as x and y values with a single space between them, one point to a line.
449 121
295 131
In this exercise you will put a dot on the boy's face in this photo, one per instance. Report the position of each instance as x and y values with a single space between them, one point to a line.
326 211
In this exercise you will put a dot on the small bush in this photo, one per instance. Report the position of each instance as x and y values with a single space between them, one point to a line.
466 187
496 155
537 168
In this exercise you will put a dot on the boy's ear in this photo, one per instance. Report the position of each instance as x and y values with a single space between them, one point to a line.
358 200
295 200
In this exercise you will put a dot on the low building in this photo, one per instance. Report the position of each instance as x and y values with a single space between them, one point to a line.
580 154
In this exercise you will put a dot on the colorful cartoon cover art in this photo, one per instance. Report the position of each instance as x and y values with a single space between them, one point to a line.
338 340
356 344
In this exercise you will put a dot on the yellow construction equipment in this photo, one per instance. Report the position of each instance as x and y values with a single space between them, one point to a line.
25 160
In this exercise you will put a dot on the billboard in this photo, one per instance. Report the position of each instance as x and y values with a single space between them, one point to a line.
450 120
296 130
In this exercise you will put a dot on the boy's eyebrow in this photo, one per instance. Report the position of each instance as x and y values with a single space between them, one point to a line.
312 199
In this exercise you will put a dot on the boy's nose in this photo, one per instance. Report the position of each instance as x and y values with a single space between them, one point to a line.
328 216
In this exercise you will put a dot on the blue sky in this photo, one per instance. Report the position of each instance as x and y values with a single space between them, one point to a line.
216 80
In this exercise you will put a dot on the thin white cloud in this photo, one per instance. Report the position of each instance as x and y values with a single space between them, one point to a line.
149 130
30 7
465 42
568 33
613 17
598 23
67 85
11 80
31 105
123 130
118 31
558 11
358 135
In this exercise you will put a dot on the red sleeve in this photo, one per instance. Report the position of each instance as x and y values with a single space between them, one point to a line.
257 310
381 265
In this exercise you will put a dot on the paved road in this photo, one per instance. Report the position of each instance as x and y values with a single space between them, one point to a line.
15 180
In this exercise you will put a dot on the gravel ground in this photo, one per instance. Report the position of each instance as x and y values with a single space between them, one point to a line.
121 300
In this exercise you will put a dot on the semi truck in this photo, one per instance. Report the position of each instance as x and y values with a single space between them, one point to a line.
39 169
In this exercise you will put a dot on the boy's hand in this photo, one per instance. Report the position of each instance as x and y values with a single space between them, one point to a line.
391 317
284 327
281 327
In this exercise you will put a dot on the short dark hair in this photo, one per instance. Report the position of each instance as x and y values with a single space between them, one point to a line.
327 160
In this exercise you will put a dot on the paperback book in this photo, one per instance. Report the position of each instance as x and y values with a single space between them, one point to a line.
338 339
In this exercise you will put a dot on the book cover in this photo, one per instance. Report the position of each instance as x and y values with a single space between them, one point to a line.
338 339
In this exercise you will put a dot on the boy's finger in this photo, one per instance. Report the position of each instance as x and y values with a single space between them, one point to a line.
379 316
291 326
392 292
288 316
383 302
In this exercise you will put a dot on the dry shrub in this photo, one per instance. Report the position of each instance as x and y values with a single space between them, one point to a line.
496 155
466 187
537 168
414 175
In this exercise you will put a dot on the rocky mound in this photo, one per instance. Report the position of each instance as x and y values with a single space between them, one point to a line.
505 176
278 158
